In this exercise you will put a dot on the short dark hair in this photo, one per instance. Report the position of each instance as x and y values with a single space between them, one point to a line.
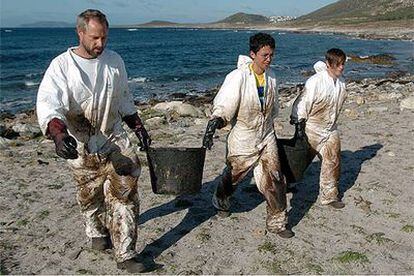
260 40
83 18
335 57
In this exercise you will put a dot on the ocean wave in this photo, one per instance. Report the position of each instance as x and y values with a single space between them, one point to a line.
16 105
31 83
288 84
139 79
16 57
33 75
12 78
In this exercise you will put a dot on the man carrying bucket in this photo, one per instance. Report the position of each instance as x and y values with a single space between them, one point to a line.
82 101
316 112
248 100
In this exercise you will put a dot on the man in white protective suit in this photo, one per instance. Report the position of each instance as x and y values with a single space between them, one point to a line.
315 112
82 101
248 100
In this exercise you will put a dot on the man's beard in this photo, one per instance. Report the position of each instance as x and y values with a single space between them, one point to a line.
91 51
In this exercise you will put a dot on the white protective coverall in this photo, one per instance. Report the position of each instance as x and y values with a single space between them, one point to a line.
107 197
320 104
251 142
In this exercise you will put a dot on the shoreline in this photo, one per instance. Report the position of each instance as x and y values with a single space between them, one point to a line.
204 96
370 34
369 31
203 99
376 30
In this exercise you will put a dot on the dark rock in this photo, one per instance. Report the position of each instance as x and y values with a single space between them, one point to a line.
202 98
40 162
136 102
198 101
8 133
307 73
396 74
382 59
177 96
154 101
30 112
287 91
6 115
381 82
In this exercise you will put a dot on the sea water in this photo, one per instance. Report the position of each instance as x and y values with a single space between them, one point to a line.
168 60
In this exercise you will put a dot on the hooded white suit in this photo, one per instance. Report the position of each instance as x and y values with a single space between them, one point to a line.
251 142
93 116
320 104
238 103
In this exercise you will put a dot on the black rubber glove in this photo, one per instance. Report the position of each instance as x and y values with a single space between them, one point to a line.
213 124
299 127
65 145
134 122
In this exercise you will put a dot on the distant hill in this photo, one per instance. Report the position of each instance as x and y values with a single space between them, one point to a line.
234 20
245 18
158 23
48 24
358 11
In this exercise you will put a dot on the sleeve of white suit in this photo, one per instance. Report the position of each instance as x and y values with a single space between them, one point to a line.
126 106
303 103
227 99
52 97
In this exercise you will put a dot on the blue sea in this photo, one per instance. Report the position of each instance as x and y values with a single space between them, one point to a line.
164 61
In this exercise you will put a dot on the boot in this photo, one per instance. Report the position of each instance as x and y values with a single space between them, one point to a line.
101 243
276 223
285 234
222 206
133 265
337 204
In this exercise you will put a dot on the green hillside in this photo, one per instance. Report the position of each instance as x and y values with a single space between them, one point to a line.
356 11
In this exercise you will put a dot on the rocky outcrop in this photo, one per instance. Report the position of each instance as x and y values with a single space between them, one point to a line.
383 59
196 110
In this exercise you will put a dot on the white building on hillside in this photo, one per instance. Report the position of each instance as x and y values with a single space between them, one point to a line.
281 18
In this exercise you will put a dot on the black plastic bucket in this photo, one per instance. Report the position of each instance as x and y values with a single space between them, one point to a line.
176 171
295 157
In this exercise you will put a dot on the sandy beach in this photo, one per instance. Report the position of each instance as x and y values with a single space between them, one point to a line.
42 230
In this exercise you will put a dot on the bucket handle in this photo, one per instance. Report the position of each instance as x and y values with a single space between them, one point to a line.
153 177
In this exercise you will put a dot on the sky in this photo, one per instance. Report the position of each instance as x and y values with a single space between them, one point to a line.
13 13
